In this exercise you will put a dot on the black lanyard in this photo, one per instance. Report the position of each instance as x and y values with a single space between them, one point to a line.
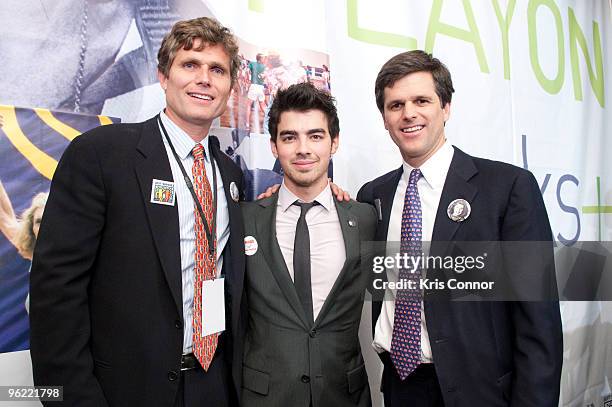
209 230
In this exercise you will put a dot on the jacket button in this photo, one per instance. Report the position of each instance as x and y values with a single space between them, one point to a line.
313 333
178 324
305 379
172 375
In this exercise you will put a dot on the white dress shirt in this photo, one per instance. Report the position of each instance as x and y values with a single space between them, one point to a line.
327 251
183 144
430 187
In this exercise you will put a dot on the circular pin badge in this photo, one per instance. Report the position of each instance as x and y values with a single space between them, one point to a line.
459 210
250 245
352 223
235 194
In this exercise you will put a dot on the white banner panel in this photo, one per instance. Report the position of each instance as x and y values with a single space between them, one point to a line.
532 81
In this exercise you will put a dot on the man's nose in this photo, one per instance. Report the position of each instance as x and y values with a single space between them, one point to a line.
409 111
204 77
302 146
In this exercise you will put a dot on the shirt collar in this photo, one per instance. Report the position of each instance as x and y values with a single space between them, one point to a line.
434 170
183 144
286 198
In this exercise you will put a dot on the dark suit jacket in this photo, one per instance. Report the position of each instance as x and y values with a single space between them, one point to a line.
106 299
288 362
489 353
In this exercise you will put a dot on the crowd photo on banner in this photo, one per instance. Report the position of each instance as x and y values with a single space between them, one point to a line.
330 141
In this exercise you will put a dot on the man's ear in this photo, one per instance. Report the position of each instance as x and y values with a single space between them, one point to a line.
335 144
163 81
446 109
273 147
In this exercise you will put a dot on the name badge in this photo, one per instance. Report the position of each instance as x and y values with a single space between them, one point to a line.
162 192
213 306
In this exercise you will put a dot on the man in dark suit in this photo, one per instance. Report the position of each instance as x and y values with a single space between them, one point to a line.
133 271
304 282
468 353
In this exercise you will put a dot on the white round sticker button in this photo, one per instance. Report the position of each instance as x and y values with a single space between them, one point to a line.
250 245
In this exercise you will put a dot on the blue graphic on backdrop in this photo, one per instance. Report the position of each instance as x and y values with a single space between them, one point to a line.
31 143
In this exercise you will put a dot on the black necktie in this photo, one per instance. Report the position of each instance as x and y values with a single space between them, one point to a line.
301 260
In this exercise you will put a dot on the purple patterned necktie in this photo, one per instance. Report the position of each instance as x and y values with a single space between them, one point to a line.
406 339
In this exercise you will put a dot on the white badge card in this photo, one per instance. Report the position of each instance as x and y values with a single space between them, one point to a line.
213 306
162 192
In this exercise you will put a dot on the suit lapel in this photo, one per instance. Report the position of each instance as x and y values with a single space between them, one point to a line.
266 228
386 192
228 175
163 219
350 234
456 186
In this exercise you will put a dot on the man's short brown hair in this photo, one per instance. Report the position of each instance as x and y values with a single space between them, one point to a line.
185 33
409 62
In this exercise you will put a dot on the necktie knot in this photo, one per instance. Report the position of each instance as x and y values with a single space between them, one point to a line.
198 152
305 206
415 175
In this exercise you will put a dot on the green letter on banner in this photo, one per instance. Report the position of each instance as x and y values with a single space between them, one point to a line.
371 36
577 36
552 86
504 26
436 27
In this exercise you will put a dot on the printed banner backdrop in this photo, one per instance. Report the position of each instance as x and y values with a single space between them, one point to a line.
31 143
532 83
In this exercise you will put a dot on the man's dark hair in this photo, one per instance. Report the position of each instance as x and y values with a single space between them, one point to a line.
301 97
409 62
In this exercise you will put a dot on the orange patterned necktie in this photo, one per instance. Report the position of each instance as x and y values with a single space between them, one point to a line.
205 263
